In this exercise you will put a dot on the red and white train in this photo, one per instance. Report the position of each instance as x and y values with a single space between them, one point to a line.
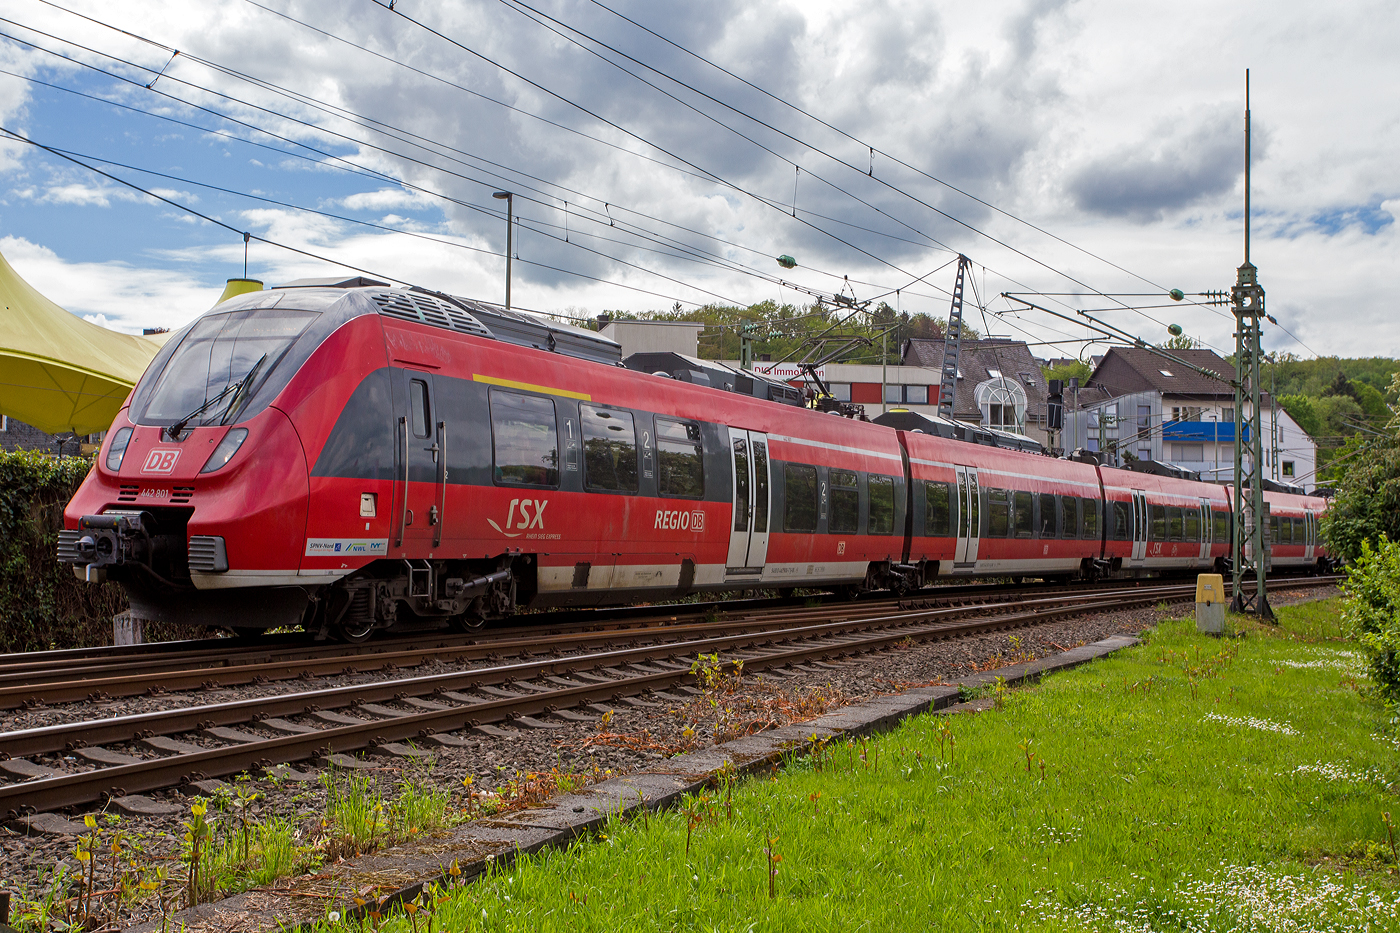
353 457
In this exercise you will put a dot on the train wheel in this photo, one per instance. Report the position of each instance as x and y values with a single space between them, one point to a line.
354 630
466 622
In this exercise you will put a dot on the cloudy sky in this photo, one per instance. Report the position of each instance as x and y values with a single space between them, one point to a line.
1068 148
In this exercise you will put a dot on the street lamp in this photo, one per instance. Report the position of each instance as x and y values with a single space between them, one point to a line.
1215 473
509 198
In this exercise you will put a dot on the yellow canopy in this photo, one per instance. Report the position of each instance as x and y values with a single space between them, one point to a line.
57 371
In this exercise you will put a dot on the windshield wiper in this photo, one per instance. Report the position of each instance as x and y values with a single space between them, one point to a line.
245 390
173 431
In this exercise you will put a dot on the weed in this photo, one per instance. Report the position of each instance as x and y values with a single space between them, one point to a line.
199 832
774 858
1390 836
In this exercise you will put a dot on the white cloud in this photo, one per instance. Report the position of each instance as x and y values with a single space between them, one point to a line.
1117 126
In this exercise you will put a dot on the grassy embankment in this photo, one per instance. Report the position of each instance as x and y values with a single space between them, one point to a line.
1188 784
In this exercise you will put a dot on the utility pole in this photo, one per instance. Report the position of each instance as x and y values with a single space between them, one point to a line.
1247 296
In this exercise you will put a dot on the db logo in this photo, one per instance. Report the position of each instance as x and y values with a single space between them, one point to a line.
160 461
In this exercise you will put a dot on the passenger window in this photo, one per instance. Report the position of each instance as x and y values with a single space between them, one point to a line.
1273 528
938 521
1090 508
1048 505
682 459
524 440
998 513
1192 525
1069 517
1121 523
418 407
799 498
881 489
1300 531
609 449
845 503
1025 520
1174 523
1222 526
1159 523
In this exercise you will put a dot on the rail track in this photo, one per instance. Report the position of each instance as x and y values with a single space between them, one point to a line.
73 675
550 676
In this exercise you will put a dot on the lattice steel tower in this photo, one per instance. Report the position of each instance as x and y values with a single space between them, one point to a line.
1248 554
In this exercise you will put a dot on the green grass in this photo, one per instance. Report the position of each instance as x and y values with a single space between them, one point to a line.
1189 784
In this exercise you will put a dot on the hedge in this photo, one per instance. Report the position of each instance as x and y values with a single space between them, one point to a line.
42 605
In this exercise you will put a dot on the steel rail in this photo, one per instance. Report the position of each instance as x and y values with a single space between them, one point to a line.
158 678
222 652
818 641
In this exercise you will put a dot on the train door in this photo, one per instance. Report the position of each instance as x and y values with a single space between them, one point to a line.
748 535
1205 529
423 460
968 518
1310 531
1139 525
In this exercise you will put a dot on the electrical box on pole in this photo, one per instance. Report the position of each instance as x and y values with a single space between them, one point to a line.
952 346
1248 555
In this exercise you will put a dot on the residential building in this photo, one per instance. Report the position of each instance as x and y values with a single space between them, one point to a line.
16 435
1139 404
999 383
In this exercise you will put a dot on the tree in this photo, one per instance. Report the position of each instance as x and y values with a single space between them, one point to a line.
1180 342
1067 371
1367 502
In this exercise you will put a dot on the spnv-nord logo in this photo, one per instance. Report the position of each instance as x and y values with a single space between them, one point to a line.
160 460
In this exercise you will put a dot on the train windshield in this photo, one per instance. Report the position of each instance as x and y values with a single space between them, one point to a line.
219 366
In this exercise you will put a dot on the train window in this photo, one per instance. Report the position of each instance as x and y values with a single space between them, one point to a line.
609 449
1174 523
1069 517
1300 531
1048 505
1025 519
741 484
418 406
524 440
998 513
1090 508
760 488
682 459
937 516
845 503
1221 532
1273 528
881 490
1122 521
799 498
1159 523
1192 525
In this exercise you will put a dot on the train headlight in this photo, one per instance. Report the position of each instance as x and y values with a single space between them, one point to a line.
226 449
117 451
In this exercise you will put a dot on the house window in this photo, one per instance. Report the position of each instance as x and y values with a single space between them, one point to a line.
1003 404
1144 419
4 422
894 394
1190 453
841 391
1227 414
1092 443
1187 413
916 395
994 373
1144 453
1167 373
1288 468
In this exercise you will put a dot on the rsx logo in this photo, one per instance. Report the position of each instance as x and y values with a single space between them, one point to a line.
531 516
160 460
